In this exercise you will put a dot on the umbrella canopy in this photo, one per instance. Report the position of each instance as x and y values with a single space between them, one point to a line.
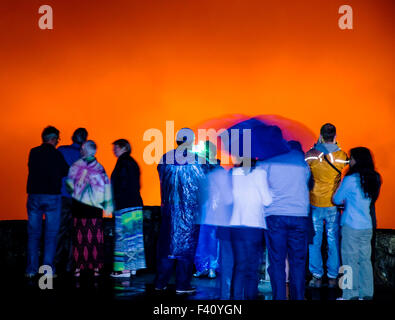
266 141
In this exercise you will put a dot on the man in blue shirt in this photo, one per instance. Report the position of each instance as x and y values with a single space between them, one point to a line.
71 154
287 222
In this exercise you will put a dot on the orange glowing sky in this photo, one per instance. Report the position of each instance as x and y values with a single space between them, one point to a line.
119 68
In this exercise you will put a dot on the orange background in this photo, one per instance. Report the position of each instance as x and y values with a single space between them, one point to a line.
119 68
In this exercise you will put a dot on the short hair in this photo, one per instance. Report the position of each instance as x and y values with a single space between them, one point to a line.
80 135
123 143
49 133
328 132
90 147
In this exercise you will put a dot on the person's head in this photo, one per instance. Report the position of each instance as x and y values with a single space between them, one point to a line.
50 135
185 135
361 161
295 145
80 135
121 146
328 133
88 149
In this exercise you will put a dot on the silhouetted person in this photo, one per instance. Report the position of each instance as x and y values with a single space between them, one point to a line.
129 240
46 169
71 154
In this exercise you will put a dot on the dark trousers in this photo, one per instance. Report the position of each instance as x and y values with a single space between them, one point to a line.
287 235
184 271
64 256
247 245
225 261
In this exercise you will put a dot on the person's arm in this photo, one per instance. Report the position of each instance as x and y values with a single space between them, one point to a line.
64 167
340 195
309 178
263 188
29 160
136 175
342 161
124 177
69 185
70 179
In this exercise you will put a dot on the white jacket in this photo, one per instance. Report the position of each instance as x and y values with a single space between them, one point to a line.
250 194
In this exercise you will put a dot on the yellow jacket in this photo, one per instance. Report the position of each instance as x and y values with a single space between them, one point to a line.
326 179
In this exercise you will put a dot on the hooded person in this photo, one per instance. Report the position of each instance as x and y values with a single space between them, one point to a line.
181 177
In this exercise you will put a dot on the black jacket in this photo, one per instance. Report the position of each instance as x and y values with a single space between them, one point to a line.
125 181
47 167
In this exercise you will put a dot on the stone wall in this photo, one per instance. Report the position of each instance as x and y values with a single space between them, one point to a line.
384 261
13 239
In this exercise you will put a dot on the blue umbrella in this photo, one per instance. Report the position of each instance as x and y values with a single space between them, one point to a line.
266 140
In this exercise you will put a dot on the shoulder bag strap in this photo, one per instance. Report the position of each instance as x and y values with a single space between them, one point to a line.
330 163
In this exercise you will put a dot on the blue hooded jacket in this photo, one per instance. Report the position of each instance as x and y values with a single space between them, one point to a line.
180 193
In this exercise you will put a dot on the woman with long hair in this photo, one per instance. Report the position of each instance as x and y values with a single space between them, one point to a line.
358 192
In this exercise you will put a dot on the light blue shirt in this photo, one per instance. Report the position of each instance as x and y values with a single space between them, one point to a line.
288 176
356 212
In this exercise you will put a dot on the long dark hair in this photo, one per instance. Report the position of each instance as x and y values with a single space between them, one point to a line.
364 165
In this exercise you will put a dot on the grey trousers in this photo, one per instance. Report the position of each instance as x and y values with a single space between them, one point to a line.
356 253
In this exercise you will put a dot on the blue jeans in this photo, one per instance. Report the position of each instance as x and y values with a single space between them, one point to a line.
356 250
247 245
287 235
332 223
206 256
37 206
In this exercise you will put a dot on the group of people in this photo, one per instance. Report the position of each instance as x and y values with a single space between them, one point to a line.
283 201
211 218
71 188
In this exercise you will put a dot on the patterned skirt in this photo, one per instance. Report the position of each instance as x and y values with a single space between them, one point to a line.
129 241
88 243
